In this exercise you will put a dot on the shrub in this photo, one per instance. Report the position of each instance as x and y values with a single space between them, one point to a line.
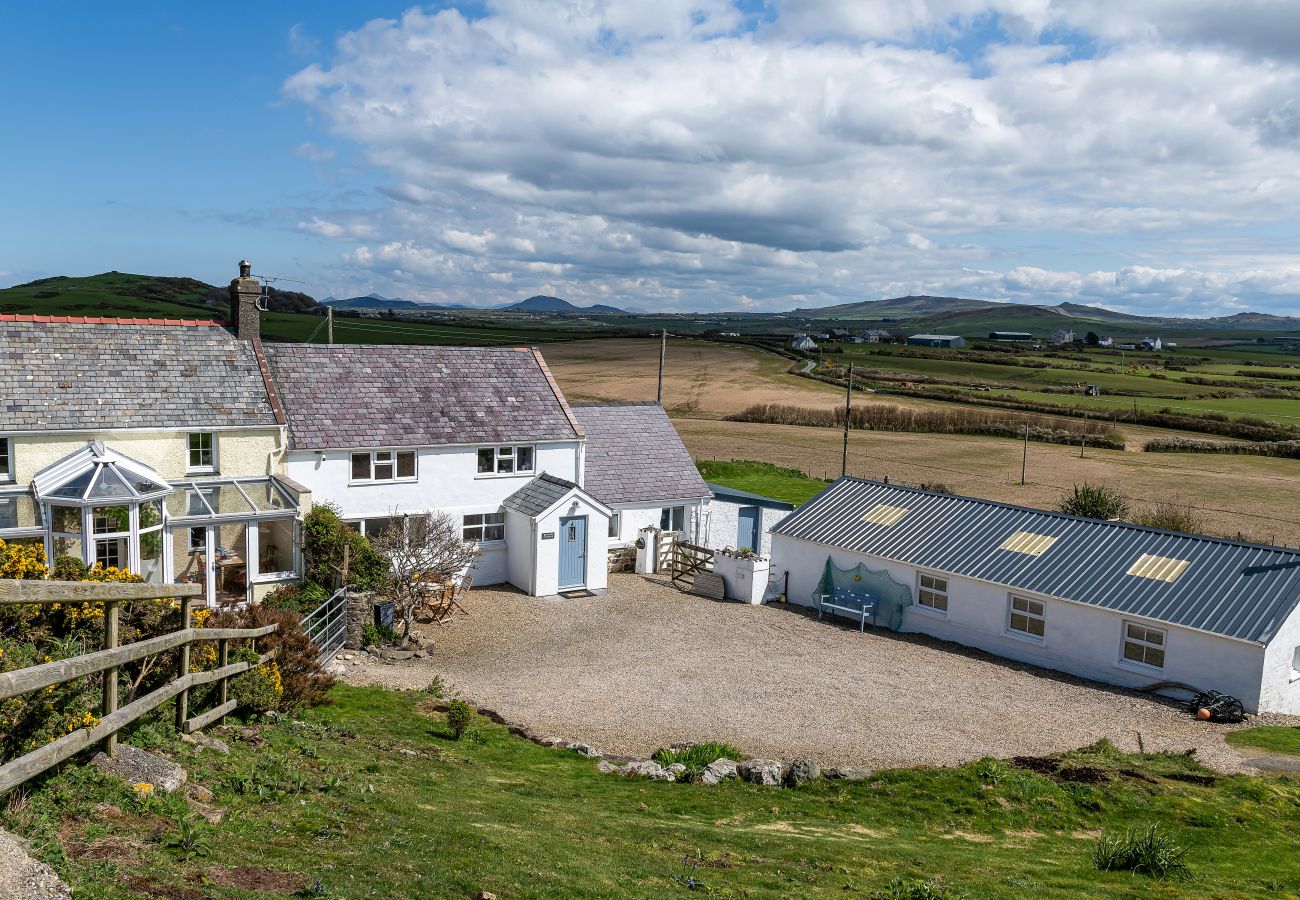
303 682
696 757
459 715
917 889
1146 852
68 568
326 540
260 689
300 598
436 688
1170 517
1096 501
1275 449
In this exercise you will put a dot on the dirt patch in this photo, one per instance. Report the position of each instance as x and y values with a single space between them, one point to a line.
256 878
1192 778
970 837
105 849
1082 775
143 884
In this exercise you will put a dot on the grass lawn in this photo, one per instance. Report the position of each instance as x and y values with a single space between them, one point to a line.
371 798
776 482
1271 738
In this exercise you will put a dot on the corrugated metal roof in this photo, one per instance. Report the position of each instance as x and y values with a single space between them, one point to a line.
1239 590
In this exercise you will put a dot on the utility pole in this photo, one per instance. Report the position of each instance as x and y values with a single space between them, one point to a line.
1024 460
663 350
329 323
848 408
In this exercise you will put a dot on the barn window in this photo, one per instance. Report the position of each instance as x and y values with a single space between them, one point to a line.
884 514
932 593
1028 543
1158 568
1144 645
1027 616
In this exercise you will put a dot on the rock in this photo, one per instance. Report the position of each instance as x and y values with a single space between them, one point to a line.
23 878
372 649
762 771
136 766
585 749
605 767
485 895
198 792
396 655
337 669
648 768
217 745
802 771
718 770
405 752
211 814
553 742
421 654
848 773
677 769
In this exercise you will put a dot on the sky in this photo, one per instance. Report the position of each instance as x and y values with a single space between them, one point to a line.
681 155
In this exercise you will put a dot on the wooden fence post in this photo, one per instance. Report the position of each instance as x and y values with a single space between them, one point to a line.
110 674
183 698
223 660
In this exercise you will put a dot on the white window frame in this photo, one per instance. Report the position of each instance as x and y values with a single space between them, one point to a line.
210 466
670 512
922 590
8 470
377 459
481 526
615 525
504 454
1029 615
1125 639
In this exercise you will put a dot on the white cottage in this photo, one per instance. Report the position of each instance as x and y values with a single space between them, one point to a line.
384 431
1111 601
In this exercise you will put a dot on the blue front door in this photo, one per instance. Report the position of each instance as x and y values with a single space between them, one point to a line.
747 534
573 552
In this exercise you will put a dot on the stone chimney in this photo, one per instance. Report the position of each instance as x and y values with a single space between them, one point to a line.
246 303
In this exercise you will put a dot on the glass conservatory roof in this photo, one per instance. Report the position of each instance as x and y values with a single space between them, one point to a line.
96 475
236 497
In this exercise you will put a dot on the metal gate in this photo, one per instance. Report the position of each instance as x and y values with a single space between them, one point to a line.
327 626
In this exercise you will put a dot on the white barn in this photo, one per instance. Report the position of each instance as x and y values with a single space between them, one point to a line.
1115 602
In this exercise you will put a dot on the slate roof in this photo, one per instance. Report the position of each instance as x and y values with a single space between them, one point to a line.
64 373
634 454
746 498
1229 588
538 495
369 395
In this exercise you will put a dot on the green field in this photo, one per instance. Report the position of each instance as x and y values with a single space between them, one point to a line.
762 478
371 798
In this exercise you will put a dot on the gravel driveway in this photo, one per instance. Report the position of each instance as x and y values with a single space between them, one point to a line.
646 666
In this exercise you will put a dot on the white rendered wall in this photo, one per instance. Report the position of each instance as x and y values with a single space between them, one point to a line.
722 519
1280 687
635 516
519 561
447 479
1080 639
548 549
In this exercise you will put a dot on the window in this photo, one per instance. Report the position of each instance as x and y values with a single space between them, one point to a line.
201 452
275 547
6 459
673 518
504 460
109 553
1027 616
484 527
613 525
8 512
1144 645
383 465
933 593
198 539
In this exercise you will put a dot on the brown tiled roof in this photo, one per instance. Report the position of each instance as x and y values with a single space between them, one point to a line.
634 454
384 395
83 373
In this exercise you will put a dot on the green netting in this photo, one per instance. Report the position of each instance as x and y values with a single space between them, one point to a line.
861 583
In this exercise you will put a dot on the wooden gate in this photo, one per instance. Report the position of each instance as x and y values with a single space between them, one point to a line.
685 561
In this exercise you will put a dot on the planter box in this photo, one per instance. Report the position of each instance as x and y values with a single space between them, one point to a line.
746 579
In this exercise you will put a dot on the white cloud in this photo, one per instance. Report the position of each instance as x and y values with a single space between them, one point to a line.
694 157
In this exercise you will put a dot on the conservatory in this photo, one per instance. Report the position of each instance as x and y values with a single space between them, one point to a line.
230 535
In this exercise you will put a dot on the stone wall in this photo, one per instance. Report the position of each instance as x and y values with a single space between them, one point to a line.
361 611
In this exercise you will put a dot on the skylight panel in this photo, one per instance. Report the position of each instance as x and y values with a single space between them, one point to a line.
1158 568
1028 543
884 514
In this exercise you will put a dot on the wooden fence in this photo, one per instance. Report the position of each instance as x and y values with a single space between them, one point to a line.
110 658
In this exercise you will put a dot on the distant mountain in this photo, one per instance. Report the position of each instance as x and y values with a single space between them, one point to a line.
542 303
966 316
379 301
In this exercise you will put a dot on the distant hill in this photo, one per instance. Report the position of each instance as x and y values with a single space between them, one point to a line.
542 303
971 317
140 296
376 301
